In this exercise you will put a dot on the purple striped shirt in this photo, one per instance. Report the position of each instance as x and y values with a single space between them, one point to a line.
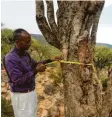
19 69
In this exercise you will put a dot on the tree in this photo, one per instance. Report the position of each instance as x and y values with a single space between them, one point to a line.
40 52
74 35
6 35
103 57
2 24
103 63
6 108
6 41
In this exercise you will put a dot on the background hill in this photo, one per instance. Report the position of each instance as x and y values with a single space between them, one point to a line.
104 44
42 40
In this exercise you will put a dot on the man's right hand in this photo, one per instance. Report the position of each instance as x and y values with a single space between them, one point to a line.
40 67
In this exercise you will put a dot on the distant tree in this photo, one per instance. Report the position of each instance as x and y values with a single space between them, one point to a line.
34 49
49 51
6 41
6 108
6 35
40 52
103 57
2 24
103 63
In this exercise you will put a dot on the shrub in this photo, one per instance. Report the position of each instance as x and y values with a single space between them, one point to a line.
6 108
56 75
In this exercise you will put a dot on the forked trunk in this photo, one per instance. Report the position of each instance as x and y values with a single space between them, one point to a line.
75 36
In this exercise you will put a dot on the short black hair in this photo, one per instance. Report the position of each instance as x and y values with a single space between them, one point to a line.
17 34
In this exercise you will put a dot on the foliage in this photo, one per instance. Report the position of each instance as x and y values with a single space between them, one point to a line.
5 48
104 83
6 35
103 60
34 49
49 51
103 77
103 57
56 75
41 52
6 108
6 41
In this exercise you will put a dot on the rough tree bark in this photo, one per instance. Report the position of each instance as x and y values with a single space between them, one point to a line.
75 35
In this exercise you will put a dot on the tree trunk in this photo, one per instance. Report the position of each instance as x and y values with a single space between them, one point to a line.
75 36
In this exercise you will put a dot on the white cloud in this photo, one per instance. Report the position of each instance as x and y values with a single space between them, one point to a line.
104 35
108 3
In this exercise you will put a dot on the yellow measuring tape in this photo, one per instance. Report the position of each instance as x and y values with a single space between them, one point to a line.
72 62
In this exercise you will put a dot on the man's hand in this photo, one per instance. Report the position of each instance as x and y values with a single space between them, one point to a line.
40 68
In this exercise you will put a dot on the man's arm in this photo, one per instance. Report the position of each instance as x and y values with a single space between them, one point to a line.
40 66
16 74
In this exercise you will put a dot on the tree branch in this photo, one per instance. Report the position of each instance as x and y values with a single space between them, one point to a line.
50 16
96 18
43 25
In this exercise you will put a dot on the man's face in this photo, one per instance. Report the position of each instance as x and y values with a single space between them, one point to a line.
25 41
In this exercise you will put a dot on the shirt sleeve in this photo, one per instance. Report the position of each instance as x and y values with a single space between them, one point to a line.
16 74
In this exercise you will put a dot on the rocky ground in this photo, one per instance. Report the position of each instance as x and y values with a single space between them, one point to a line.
49 87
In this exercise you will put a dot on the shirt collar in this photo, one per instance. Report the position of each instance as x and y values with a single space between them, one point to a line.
17 50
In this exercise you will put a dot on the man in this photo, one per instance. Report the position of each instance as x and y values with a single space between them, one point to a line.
21 70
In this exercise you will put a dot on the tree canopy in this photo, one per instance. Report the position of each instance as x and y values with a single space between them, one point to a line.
103 56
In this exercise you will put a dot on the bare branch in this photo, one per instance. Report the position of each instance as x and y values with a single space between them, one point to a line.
96 21
43 25
50 16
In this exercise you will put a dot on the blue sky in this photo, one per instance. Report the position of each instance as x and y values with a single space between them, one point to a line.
21 14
